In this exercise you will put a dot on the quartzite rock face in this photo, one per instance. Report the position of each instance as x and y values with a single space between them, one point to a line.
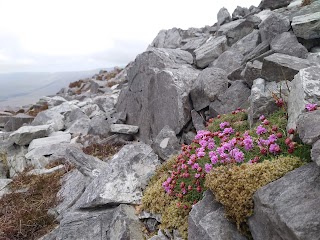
288 208
305 89
209 84
158 91
123 178
210 51
207 221
278 67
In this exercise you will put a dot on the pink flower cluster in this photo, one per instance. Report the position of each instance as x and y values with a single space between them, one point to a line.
311 107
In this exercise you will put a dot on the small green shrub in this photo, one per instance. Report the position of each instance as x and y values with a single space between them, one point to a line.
234 186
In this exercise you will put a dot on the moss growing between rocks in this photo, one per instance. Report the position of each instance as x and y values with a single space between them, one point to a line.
24 211
234 186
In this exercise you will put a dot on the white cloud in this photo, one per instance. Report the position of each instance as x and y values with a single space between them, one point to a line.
53 31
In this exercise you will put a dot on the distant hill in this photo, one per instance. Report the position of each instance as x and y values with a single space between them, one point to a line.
17 89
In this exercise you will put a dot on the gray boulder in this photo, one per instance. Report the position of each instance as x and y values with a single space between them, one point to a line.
52 139
315 152
124 129
88 165
210 83
168 38
247 44
307 26
24 135
73 116
106 103
16 160
123 178
308 127
236 30
286 208
166 143
99 126
197 121
233 98
148 101
210 51
258 51
53 101
92 110
274 4
207 221
229 61
80 126
305 89
278 67
17 121
261 99
251 72
273 25
240 12
73 185
50 117
287 43
223 16
113 223
194 43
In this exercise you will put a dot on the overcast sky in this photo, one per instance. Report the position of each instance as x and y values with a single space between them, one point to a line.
68 35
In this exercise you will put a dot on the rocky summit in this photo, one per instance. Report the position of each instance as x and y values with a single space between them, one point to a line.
211 133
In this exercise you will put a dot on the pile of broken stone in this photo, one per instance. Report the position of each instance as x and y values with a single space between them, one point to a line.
158 102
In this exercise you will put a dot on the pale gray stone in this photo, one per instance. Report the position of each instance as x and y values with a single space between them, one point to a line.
4 186
229 61
273 4
247 44
287 43
166 143
194 43
305 89
207 221
197 120
16 160
287 208
251 72
273 25
24 135
124 129
233 98
209 84
50 117
315 152
307 26
261 99
89 166
223 16
278 67
168 38
80 126
308 127
17 121
55 139
236 30
210 51
44 171
123 178
240 12
148 101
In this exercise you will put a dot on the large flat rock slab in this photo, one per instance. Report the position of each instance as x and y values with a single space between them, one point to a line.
123 178
288 208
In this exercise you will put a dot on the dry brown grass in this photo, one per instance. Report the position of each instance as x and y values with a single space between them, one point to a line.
306 2
35 110
76 84
102 151
24 211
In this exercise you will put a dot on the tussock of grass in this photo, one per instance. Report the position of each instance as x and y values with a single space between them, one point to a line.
24 211
234 186
35 110
306 2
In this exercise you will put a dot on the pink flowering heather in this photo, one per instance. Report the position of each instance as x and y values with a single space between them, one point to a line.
237 155
262 118
261 130
224 125
228 131
248 143
208 167
274 148
311 107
